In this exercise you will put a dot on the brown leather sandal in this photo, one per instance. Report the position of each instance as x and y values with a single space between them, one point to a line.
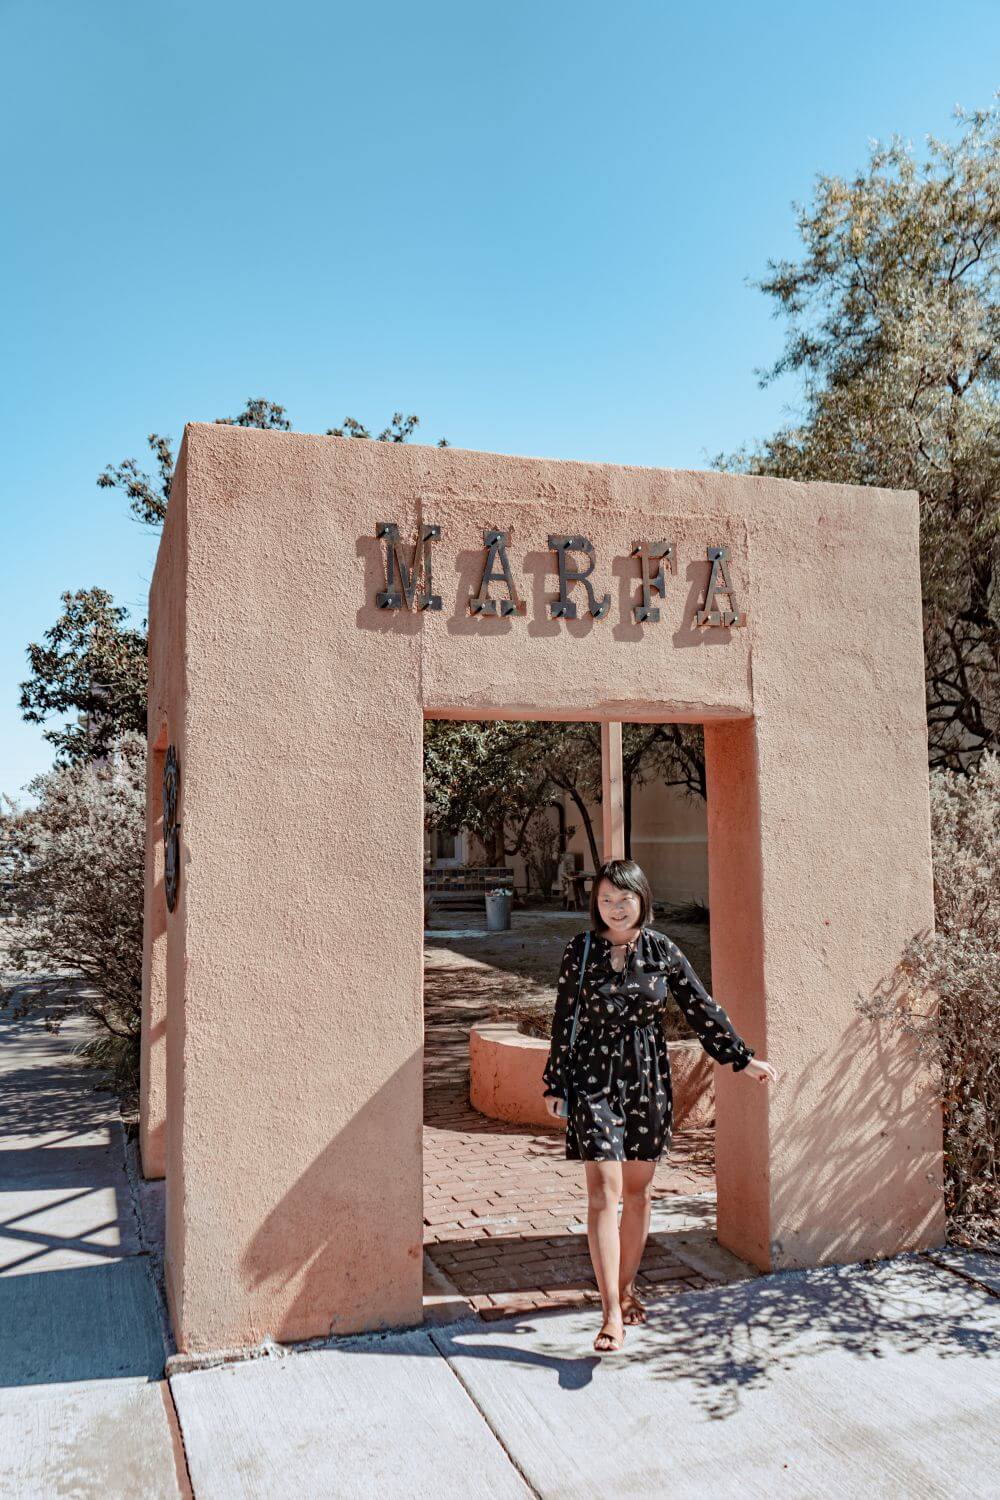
612 1341
633 1311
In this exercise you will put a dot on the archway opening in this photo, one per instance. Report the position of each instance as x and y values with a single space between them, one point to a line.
528 807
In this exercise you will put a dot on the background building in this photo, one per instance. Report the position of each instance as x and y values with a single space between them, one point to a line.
669 839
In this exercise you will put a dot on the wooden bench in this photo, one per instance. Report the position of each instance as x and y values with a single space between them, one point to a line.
465 885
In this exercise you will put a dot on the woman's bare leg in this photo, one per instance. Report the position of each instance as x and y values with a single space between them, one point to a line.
604 1186
637 1196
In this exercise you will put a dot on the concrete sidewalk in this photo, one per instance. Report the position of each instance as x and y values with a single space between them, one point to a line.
878 1380
84 1409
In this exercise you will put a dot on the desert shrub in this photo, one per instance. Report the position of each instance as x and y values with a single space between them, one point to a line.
75 903
945 990
542 849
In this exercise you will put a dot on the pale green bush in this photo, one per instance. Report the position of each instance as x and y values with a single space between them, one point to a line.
945 991
74 905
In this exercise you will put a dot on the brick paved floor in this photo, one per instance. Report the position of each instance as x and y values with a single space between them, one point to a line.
504 1211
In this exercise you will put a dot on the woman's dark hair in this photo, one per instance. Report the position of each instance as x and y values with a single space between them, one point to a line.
627 876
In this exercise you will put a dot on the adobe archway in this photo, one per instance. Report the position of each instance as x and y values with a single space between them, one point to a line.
294 702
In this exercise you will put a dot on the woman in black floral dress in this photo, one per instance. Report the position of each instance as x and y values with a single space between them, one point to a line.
616 1077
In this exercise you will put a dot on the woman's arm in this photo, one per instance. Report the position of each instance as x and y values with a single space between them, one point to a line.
554 1073
716 1032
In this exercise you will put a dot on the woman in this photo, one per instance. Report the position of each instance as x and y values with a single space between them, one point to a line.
617 1075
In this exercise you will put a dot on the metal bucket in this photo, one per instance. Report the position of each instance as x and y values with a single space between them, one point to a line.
498 904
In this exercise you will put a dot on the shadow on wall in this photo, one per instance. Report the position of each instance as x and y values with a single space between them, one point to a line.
348 1235
881 1174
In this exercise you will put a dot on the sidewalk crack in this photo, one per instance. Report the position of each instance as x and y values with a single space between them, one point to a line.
492 1427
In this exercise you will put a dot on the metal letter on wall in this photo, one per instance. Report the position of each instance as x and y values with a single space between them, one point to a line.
171 827
392 596
496 543
649 552
711 615
563 607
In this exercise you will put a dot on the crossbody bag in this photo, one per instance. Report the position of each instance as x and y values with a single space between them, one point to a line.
576 1016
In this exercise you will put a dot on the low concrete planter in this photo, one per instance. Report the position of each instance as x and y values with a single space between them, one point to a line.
505 1077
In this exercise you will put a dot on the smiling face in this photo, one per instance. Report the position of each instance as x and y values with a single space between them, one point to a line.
619 910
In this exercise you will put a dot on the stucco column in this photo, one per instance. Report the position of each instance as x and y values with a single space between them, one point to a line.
743 1113
295 1020
819 863
612 791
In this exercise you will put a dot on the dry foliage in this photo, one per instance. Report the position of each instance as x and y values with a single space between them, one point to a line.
75 902
945 991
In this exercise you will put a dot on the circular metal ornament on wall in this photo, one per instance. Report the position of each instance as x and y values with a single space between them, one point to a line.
171 827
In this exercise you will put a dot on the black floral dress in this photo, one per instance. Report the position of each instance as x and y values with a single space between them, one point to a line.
620 1100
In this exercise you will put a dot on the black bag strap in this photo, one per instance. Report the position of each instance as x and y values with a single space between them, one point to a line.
579 988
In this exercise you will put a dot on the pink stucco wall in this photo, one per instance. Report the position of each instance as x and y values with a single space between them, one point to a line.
291 968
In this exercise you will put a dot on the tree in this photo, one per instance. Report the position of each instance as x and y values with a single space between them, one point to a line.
93 664
75 906
398 430
495 777
569 757
543 847
670 754
148 497
259 412
893 317
477 778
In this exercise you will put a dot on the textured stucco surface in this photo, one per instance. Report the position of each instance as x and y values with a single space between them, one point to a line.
292 963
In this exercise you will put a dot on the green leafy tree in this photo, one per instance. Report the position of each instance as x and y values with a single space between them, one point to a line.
493 778
398 431
259 413
569 756
148 495
92 665
477 777
543 846
893 318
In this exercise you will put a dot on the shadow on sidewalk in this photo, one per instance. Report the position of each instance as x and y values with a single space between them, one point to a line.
89 1323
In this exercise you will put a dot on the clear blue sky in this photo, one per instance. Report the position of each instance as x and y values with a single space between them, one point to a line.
532 224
